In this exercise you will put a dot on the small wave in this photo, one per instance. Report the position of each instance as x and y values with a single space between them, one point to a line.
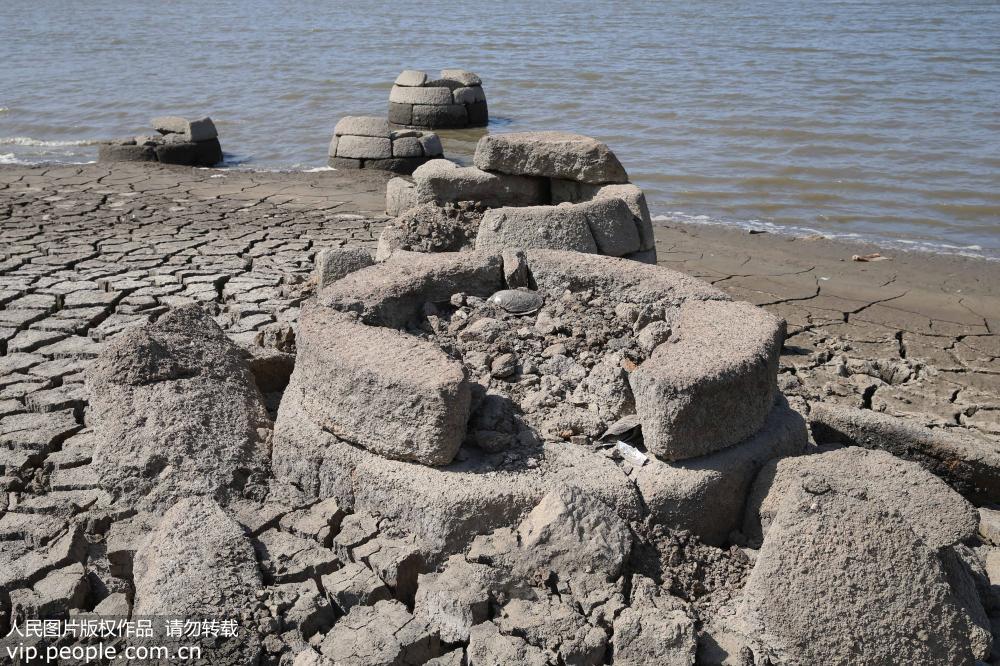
28 141
8 158
902 244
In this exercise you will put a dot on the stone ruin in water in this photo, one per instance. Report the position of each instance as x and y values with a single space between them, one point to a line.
510 456
545 190
454 101
368 142
178 141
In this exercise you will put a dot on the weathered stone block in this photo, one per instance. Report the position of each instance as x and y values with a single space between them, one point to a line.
198 563
706 495
364 147
176 413
407 146
431 144
461 76
400 195
713 383
550 155
435 95
400 114
334 263
374 126
479 115
443 181
544 227
381 389
193 130
113 152
939 515
613 226
468 95
411 77
440 116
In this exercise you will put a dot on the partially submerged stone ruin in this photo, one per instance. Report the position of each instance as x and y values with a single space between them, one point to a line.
546 190
368 142
453 101
178 141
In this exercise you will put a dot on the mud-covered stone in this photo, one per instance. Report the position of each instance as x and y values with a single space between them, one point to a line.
198 563
380 389
176 413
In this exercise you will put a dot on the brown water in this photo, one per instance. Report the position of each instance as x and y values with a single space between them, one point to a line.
876 119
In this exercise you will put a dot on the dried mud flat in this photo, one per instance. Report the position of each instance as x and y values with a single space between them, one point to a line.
90 253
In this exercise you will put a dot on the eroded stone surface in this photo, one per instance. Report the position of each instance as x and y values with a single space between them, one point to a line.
176 413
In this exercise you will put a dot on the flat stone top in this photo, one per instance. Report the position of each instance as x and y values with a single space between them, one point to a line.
713 338
363 126
563 155
462 76
411 78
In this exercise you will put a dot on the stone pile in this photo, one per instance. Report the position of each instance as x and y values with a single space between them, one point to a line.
179 141
496 457
368 142
453 101
546 190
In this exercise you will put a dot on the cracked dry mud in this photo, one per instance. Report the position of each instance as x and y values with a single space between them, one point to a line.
89 253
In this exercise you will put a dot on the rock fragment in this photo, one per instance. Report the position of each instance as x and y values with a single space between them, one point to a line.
176 413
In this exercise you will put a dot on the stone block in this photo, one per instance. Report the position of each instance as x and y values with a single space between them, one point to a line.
334 263
442 116
373 126
208 153
550 155
345 163
400 195
113 152
411 78
442 181
197 562
381 389
901 608
407 146
176 413
431 144
706 495
939 515
193 130
970 463
479 115
713 383
426 95
613 226
400 114
461 76
542 227
468 95
364 147
404 165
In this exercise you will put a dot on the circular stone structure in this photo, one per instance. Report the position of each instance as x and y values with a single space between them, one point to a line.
178 141
454 101
368 142
449 392
544 190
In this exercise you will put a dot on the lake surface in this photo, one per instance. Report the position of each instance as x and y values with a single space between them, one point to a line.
869 118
